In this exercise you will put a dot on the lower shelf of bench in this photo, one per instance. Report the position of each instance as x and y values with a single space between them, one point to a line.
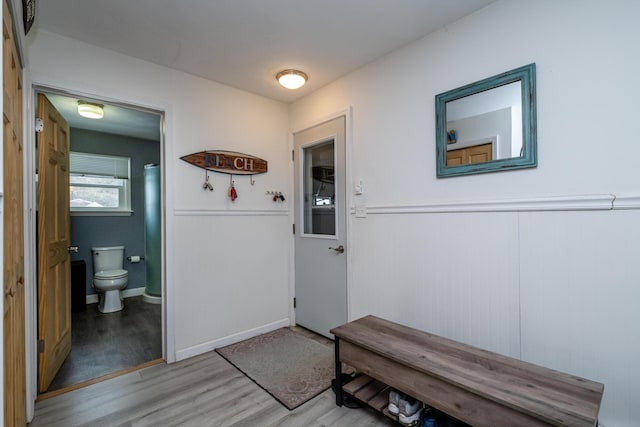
370 392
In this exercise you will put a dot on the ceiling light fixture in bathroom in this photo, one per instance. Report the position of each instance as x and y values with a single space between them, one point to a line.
291 79
90 110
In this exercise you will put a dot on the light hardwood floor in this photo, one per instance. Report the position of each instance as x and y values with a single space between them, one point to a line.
201 391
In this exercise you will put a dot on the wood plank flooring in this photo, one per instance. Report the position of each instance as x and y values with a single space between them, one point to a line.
201 391
103 343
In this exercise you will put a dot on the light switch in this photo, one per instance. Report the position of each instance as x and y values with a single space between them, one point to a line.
358 188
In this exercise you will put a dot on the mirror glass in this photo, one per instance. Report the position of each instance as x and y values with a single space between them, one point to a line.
487 126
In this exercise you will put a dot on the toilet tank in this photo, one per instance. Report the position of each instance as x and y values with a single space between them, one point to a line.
107 258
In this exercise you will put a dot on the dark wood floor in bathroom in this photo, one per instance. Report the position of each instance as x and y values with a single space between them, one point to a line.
105 343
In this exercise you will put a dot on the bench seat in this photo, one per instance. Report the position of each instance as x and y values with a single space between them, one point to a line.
476 386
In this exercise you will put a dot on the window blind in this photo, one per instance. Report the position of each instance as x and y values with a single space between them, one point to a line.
99 165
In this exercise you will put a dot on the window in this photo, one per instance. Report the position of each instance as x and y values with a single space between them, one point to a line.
99 184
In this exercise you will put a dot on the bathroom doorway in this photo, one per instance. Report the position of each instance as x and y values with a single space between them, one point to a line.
106 196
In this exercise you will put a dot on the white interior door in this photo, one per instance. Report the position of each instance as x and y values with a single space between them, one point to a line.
320 227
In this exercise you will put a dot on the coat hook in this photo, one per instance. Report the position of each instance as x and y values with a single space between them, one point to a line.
207 185
232 190
251 180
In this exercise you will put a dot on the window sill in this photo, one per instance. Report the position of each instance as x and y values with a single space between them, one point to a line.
101 213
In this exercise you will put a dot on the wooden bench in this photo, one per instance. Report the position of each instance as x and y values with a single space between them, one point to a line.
476 386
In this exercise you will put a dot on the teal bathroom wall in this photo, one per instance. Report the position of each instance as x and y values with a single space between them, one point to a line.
91 231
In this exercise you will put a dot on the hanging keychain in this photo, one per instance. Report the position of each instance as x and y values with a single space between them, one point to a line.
207 185
232 190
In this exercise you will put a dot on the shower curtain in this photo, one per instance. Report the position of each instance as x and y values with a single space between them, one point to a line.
152 220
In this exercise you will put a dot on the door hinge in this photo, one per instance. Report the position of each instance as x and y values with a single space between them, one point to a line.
40 346
294 302
293 155
294 228
39 125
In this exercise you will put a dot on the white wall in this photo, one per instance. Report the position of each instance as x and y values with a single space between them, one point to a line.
528 263
227 263
556 287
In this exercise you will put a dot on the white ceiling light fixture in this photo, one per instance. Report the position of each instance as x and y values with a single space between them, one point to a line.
90 110
291 79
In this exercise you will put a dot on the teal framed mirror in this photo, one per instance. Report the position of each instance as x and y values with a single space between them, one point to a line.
488 126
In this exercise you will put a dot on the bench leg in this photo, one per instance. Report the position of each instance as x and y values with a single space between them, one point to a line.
338 380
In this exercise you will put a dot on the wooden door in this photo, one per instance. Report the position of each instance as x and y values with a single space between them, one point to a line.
470 155
479 153
15 413
54 266
456 157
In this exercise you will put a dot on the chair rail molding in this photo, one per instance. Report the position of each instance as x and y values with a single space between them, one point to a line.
230 212
626 202
588 202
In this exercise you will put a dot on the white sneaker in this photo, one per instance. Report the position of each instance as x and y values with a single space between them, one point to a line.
394 402
410 411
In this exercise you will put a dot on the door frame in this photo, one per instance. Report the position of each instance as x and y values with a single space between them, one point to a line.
347 114
31 89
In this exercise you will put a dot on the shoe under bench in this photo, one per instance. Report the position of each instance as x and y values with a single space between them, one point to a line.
478 387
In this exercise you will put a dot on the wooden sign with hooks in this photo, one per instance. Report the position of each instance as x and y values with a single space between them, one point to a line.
229 162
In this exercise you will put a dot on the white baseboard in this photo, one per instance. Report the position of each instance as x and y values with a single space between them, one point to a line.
231 339
127 293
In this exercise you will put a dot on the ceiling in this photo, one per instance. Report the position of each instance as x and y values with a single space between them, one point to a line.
244 43
241 43
117 120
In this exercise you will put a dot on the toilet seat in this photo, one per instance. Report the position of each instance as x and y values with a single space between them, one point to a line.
111 274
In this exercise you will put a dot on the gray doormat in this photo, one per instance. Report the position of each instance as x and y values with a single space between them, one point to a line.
289 366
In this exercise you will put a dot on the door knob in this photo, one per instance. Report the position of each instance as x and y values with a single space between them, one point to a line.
339 249
72 249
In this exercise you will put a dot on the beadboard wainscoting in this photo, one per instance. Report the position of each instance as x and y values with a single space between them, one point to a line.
552 281
231 275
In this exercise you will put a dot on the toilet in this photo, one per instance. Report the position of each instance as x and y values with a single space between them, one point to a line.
109 278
